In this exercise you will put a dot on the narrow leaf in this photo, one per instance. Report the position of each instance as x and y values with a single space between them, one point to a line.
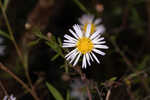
68 95
55 57
33 43
56 94
81 6
5 5
2 33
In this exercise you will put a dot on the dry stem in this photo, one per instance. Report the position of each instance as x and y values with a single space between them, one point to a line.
4 68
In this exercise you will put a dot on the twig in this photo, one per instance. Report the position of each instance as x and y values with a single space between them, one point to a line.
108 94
3 88
89 93
96 88
19 81
11 32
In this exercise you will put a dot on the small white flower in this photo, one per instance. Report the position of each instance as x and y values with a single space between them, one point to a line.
85 44
11 97
78 90
95 23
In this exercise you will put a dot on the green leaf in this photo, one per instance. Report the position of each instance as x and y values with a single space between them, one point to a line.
32 43
113 79
81 6
144 62
53 46
68 95
5 5
2 33
56 94
59 41
55 57
41 36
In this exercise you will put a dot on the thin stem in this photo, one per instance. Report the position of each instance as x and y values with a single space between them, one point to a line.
4 68
26 69
89 93
27 72
108 94
16 46
3 88
130 65
96 88
11 32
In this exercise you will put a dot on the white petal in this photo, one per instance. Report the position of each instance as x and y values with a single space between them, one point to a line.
68 45
90 19
95 57
12 97
86 19
84 62
101 28
74 56
102 38
77 59
70 38
98 40
71 55
95 34
75 50
98 43
78 30
68 41
101 46
5 98
88 30
91 57
97 21
88 59
74 34
99 52
82 21
102 42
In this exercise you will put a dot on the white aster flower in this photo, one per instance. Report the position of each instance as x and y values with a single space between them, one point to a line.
85 45
11 97
78 90
95 23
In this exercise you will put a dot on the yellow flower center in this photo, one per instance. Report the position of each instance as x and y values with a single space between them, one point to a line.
84 45
93 27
